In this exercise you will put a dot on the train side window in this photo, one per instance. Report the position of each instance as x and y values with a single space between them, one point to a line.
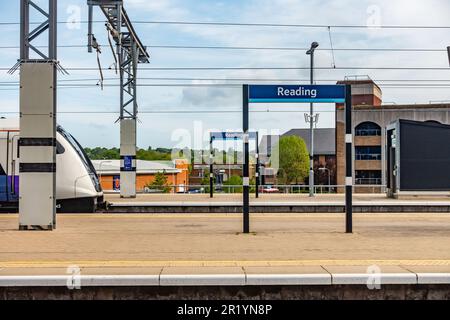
59 148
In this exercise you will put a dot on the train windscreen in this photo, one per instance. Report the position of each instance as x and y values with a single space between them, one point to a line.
83 156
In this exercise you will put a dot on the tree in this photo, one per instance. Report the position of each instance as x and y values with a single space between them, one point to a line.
205 181
233 181
293 159
159 183
99 153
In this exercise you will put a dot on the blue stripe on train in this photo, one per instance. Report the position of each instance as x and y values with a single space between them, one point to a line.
6 193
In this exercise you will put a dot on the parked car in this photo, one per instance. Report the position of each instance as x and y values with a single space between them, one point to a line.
270 189
201 190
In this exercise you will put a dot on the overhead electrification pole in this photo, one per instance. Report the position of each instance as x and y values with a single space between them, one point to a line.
130 52
310 52
37 144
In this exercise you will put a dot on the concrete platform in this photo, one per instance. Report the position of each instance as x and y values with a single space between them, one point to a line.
223 276
198 255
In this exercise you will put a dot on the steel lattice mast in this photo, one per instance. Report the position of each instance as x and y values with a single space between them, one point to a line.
129 52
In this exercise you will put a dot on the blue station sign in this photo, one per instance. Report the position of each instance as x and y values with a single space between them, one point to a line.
231 135
296 93
128 163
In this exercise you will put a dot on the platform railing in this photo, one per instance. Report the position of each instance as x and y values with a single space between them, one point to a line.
267 188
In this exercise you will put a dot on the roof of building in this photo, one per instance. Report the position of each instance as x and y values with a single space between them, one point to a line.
402 106
324 140
267 143
356 82
218 166
142 166
9 123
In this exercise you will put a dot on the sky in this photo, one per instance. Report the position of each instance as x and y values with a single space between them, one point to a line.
179 129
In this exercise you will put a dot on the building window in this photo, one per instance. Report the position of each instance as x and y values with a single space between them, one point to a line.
368 153
368 177
368 129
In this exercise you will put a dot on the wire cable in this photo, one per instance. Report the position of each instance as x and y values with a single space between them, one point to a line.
248 24
184 111
257 68
256 48
332 51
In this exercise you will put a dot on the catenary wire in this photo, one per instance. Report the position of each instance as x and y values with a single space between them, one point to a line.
254 24
254 48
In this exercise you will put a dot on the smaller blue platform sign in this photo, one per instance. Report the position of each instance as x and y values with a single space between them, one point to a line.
296 93
128 163
231 135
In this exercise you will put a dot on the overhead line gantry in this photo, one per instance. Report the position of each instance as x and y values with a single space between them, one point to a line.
129 52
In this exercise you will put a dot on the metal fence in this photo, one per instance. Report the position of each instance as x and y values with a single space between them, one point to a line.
268 188
368 181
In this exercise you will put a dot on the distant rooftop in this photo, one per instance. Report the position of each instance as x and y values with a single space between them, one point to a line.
404 106
324 140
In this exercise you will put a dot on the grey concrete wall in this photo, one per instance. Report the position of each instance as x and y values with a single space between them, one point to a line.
336 292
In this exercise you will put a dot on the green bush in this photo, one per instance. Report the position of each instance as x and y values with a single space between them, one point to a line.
159 184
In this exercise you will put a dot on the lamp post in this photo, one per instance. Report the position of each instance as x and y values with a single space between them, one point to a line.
329 177
310 52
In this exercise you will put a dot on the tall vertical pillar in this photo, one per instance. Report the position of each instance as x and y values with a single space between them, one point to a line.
37 144
211 168
128 158
245 169
258 164
348 161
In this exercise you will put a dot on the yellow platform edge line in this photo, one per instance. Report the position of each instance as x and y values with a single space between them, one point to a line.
226 263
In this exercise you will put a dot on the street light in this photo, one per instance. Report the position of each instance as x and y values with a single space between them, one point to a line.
329 177
310 52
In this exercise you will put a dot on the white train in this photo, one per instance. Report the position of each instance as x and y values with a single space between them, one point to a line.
77 185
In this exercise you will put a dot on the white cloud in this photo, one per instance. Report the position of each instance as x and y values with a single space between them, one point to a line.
163 8
324 12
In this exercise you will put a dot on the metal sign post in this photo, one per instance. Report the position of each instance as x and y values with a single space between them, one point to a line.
257 174
211 173
301 94
348 161
245 178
